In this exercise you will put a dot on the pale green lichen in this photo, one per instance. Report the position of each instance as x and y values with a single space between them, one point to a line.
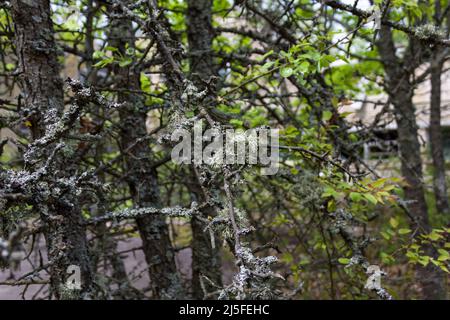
428 31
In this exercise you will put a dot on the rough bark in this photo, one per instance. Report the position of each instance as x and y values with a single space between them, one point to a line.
436 143
142 178
42 91
206 261
400 92
205 258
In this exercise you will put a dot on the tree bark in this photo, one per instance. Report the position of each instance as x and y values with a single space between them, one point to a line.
142 177
42 90
436 143
205 258
400 92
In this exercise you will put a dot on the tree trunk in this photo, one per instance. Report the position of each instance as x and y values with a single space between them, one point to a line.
400 93
205 257
142 178
436 143
42 90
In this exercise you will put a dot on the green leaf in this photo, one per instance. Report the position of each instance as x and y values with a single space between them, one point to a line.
443 258
104 62
393 222
413 256
331 206
424 260
378 183
236 122
263 57
444 268
145 82
444 255
371 198
98 54
404 231
434 236
303 67
355 196
326 115
436 263
130 51
329 192
385 235
125 62
304 261
344 261
113 49
287 257
286 72
10 66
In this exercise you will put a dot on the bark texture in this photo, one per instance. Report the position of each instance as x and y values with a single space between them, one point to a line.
436 143
205 258
400 92
142 177
43 97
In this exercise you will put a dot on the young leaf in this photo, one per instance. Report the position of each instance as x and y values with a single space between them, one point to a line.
404 231
344 261
286 72
393 222
371 198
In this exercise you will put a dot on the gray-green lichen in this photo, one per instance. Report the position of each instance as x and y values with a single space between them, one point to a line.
428 31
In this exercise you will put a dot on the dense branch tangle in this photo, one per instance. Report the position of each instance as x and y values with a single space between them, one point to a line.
90 167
